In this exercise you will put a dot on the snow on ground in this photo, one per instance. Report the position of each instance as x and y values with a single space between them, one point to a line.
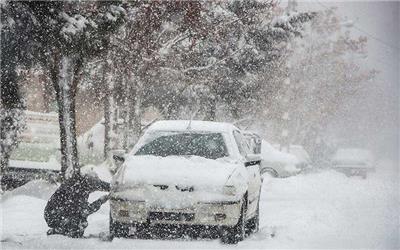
317 210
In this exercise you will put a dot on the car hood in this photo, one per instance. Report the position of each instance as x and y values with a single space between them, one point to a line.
177 181
181 171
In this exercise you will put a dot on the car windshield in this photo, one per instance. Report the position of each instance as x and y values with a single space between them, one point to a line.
208 145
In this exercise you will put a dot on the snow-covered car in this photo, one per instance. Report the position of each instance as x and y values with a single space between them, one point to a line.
353 161
278 163
187 173
303 157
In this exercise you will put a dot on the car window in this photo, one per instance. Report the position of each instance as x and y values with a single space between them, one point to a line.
254 144
241 143
208 145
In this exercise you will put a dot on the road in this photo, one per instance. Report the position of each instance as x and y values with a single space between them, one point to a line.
324 209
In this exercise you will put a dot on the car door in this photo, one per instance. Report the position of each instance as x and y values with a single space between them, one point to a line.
253 171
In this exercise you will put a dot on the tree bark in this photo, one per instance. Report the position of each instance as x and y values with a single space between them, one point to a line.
65 76
137 119
107 109
211 109
127 114
107 126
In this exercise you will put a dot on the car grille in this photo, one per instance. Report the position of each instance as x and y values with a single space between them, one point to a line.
171 216
180 188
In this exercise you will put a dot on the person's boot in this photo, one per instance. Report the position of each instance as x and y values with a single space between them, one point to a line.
52 231
76 234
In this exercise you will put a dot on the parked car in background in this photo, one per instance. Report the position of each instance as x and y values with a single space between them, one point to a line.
277 163
35 156
353 162
187 173
304 160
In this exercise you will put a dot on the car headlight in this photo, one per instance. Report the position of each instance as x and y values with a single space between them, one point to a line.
229 190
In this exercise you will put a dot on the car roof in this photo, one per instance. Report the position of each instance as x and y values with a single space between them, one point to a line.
250 133
352 153
194 125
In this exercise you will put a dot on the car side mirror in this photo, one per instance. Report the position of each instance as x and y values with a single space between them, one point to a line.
118 158
258 147
252 159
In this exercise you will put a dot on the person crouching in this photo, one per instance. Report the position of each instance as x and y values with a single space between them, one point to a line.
67 210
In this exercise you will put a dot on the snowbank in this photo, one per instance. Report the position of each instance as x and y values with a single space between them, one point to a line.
38 189
328 210
318 210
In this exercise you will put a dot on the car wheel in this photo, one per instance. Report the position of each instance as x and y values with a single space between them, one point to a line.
253 224
272 172
232 235
117 229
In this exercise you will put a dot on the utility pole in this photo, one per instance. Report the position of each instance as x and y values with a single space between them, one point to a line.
287 94
285 117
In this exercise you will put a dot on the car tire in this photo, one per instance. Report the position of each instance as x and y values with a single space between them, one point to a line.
253 225
232 235
272 172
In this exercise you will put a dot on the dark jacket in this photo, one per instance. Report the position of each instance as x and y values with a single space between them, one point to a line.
68 207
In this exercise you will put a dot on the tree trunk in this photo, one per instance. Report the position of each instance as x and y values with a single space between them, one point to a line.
137 113
65 79
107 126
172 110
211 109
128 114
47 93
108 106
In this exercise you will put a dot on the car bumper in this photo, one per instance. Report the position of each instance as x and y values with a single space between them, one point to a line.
225 213
353 170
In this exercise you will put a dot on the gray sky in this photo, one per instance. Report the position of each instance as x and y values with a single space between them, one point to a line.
371 118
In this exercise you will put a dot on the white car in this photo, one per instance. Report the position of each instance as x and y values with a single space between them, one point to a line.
304 160
277 163
187 173
353 161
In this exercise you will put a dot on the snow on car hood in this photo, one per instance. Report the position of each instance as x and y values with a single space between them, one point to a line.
177 181
175 170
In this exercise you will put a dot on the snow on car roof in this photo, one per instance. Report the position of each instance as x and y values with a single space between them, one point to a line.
194 125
